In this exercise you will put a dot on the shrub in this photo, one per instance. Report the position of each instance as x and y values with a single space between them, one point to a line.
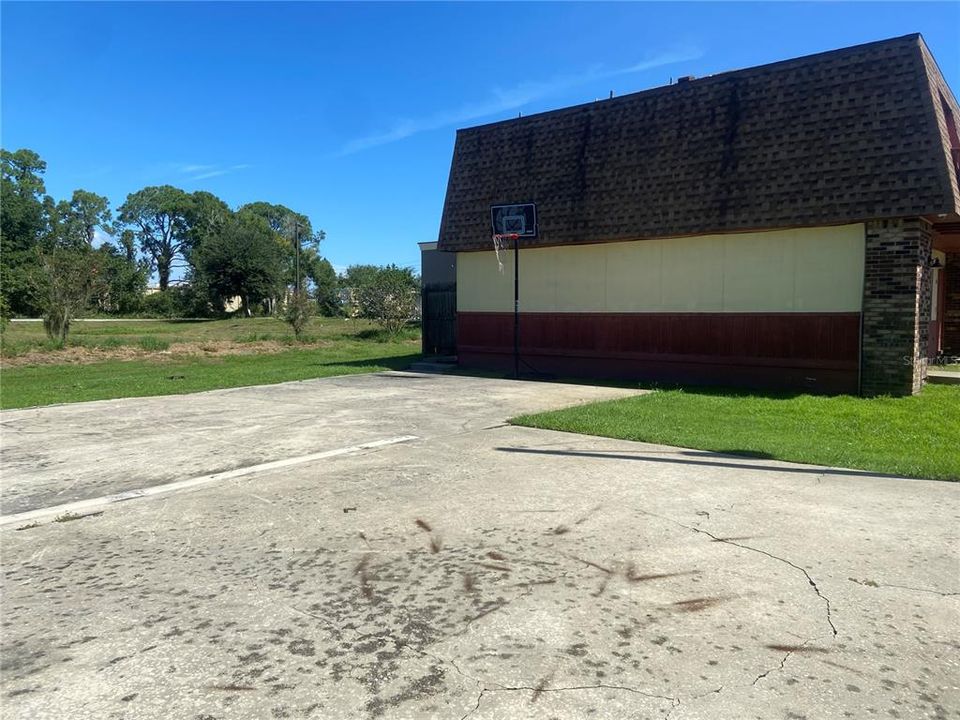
390 297
158 304
65 280
181 301
4 314
298 311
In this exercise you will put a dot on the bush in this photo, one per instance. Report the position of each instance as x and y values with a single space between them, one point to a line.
4 314
158 304
390 297
65 280
298 311
182 301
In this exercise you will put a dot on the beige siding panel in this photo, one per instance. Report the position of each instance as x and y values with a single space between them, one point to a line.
692 272
758 272
581 281
634 277
829 269
802 270
481 287
540 279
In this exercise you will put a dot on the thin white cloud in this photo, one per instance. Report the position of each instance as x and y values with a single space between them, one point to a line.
511 98
188 169
196 171
216 172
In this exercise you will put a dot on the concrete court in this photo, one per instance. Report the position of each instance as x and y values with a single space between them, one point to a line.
479 571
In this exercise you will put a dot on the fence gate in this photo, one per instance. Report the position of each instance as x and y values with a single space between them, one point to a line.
439 303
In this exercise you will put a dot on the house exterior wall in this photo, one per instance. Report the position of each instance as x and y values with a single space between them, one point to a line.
437 268
438 301
768 308
951 304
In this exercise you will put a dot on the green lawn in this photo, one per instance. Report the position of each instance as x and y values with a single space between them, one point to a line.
913 436
334 347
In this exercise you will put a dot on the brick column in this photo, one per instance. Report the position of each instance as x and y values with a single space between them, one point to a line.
950 276
896 306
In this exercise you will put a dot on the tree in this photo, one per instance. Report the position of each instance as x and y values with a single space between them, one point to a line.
390 298
22 190
206 216
69 270
127 242
281 219
23 222
289 227
324 279
357 276
86 213
160 216
65 281
123 282
242 259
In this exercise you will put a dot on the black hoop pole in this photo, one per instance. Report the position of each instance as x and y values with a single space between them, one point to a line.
516 307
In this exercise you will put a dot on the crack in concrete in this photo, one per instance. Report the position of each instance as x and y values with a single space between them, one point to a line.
916 589
601 686
477 706
810 580
783 661
799 649
715 538
695 697
440 659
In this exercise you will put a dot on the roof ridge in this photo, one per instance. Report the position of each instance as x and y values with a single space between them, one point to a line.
713 77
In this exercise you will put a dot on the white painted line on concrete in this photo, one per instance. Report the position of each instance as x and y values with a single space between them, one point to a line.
82 506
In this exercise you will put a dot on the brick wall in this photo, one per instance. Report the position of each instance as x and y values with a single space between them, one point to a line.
951 304
896 306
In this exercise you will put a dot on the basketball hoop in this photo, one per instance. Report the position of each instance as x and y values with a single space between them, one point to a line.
498 239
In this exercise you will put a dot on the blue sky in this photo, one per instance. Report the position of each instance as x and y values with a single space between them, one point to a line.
347 112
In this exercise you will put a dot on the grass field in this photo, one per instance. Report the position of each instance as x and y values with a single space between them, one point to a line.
131 359
913 436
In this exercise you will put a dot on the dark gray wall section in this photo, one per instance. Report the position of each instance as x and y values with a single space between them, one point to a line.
437 268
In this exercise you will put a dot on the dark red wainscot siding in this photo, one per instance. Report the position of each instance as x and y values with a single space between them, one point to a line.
808 351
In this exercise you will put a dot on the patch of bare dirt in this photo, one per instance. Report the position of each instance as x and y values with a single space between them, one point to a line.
73 356
207 348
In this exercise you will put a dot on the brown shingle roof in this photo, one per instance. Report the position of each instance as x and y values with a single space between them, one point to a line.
846 135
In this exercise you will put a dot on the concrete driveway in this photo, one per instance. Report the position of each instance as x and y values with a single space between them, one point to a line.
385 546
